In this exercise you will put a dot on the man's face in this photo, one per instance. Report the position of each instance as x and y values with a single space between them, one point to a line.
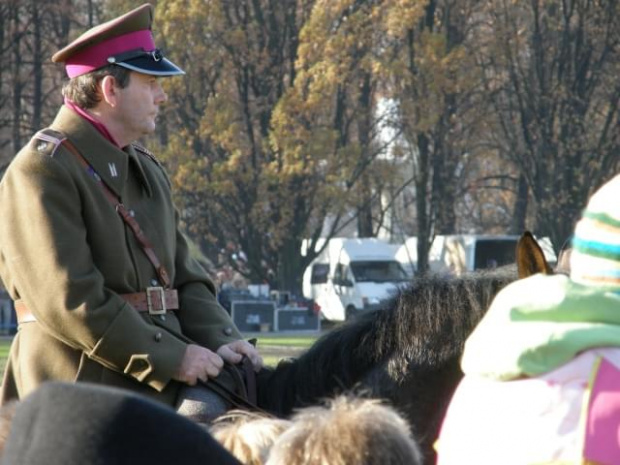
138 105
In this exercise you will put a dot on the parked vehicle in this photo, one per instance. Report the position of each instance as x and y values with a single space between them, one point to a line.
353 275
459 253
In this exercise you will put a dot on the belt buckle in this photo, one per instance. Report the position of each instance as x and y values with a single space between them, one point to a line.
151 297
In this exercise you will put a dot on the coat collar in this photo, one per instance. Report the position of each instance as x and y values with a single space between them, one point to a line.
110 162
135 158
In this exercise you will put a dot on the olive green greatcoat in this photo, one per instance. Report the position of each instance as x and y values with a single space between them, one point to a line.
68 255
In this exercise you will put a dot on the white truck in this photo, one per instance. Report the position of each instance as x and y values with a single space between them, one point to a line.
353 275
459 253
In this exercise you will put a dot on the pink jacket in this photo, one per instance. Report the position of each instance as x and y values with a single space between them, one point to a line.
570 415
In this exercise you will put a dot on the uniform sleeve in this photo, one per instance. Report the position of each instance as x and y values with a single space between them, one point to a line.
46 261
203 319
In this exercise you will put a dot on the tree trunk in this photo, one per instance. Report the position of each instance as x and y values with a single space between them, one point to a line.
17 83
423 203
517 225
290 270
364 123
37 71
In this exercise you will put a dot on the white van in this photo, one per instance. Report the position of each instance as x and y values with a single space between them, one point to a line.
353 275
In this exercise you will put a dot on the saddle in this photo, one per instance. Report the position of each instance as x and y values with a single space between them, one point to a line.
234 387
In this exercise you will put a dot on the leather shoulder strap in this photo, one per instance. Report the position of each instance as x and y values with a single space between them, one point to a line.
146 245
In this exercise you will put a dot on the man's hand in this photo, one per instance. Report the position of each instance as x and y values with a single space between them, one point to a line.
199 363
234 351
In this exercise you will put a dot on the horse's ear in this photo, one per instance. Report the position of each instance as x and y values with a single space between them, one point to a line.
530 257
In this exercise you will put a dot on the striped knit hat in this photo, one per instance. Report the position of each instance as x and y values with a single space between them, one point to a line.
595 258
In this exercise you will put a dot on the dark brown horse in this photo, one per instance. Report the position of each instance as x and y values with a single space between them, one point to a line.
407 353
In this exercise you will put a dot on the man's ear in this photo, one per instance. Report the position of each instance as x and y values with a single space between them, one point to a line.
109 90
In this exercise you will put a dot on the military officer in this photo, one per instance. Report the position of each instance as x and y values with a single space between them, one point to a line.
90 247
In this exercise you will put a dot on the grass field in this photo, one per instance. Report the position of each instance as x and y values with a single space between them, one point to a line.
274 347
302 341
5 343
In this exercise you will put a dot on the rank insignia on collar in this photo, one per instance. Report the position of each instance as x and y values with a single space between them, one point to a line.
113 171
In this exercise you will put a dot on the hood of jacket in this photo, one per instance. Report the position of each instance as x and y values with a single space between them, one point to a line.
537 324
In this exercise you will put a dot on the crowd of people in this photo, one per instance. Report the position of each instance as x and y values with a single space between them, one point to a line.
119 325
66 424
346 430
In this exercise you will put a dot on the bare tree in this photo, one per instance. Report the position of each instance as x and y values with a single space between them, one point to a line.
30 33
551 74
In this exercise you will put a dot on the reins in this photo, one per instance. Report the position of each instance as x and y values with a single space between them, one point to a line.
245 384
249 402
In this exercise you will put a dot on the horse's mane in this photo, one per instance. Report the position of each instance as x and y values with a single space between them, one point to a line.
425 326
334 363
435 315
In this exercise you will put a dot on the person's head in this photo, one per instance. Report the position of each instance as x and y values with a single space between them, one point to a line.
63 423
114 72
248 436
347 430
595 255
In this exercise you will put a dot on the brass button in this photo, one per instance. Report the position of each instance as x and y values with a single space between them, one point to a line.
157 337
228 331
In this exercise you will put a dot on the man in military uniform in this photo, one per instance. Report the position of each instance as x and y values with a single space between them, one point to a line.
90 248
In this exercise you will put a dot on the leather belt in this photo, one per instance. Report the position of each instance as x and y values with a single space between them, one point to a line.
155 301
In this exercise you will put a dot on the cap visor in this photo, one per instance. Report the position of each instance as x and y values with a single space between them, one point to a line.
146 65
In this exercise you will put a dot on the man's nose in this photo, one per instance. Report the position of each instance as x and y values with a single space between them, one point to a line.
161 95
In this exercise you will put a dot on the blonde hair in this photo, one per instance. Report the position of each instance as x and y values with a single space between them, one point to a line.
347 431
248 435
7 412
